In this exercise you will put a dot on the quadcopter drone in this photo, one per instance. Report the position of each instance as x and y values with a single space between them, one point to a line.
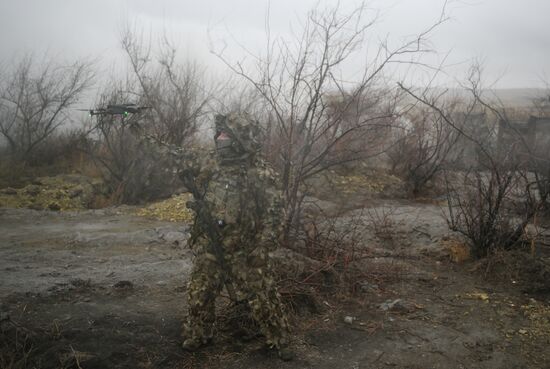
121 109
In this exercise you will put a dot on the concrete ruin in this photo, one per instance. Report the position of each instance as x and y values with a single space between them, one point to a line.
524 139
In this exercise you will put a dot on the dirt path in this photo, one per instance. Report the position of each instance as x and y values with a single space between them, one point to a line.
99 289
47 251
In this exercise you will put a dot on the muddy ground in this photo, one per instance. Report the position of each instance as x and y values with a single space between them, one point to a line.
104 289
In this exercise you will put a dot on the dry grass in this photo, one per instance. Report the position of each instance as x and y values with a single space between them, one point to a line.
459 251
330 262
538 314
359 182
63 192
530 273
348 184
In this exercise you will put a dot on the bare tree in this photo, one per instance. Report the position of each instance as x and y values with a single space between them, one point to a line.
176 93
316 116
34 99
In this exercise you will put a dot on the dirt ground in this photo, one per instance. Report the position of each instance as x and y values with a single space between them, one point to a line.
105 289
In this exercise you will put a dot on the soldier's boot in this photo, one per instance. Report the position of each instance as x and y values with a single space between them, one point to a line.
197 330
285 353
196 334
283 350
268 312
193 344
279 342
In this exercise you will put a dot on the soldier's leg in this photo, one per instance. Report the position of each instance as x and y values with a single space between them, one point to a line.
254 278
202 290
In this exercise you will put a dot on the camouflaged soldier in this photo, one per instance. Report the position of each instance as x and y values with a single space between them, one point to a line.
241 196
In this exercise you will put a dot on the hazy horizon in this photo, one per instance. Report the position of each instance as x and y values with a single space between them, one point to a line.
511 38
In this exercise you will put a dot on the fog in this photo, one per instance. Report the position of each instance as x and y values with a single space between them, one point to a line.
511 37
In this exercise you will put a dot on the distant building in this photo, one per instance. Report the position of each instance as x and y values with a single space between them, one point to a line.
524 138
476 133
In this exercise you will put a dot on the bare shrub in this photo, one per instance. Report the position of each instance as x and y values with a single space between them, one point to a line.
494 206
383 223
330 257
13 174
478 209
530 273
61 150
60 153
423 146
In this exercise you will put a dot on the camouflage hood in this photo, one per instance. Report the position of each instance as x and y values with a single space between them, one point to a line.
243 132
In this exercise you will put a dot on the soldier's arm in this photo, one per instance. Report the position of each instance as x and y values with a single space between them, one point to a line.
182 161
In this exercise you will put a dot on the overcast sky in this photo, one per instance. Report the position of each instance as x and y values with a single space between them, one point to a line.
512 37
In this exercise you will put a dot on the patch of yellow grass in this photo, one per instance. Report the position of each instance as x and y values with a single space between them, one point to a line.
63 192
172 209
362 183
538 314
483 296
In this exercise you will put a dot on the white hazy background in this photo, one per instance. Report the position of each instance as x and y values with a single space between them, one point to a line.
510 37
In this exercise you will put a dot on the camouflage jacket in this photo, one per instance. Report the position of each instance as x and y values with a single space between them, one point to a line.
244 200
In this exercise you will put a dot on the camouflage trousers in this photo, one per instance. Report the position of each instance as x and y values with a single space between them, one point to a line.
251 277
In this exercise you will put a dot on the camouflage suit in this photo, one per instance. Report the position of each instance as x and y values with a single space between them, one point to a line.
240 192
